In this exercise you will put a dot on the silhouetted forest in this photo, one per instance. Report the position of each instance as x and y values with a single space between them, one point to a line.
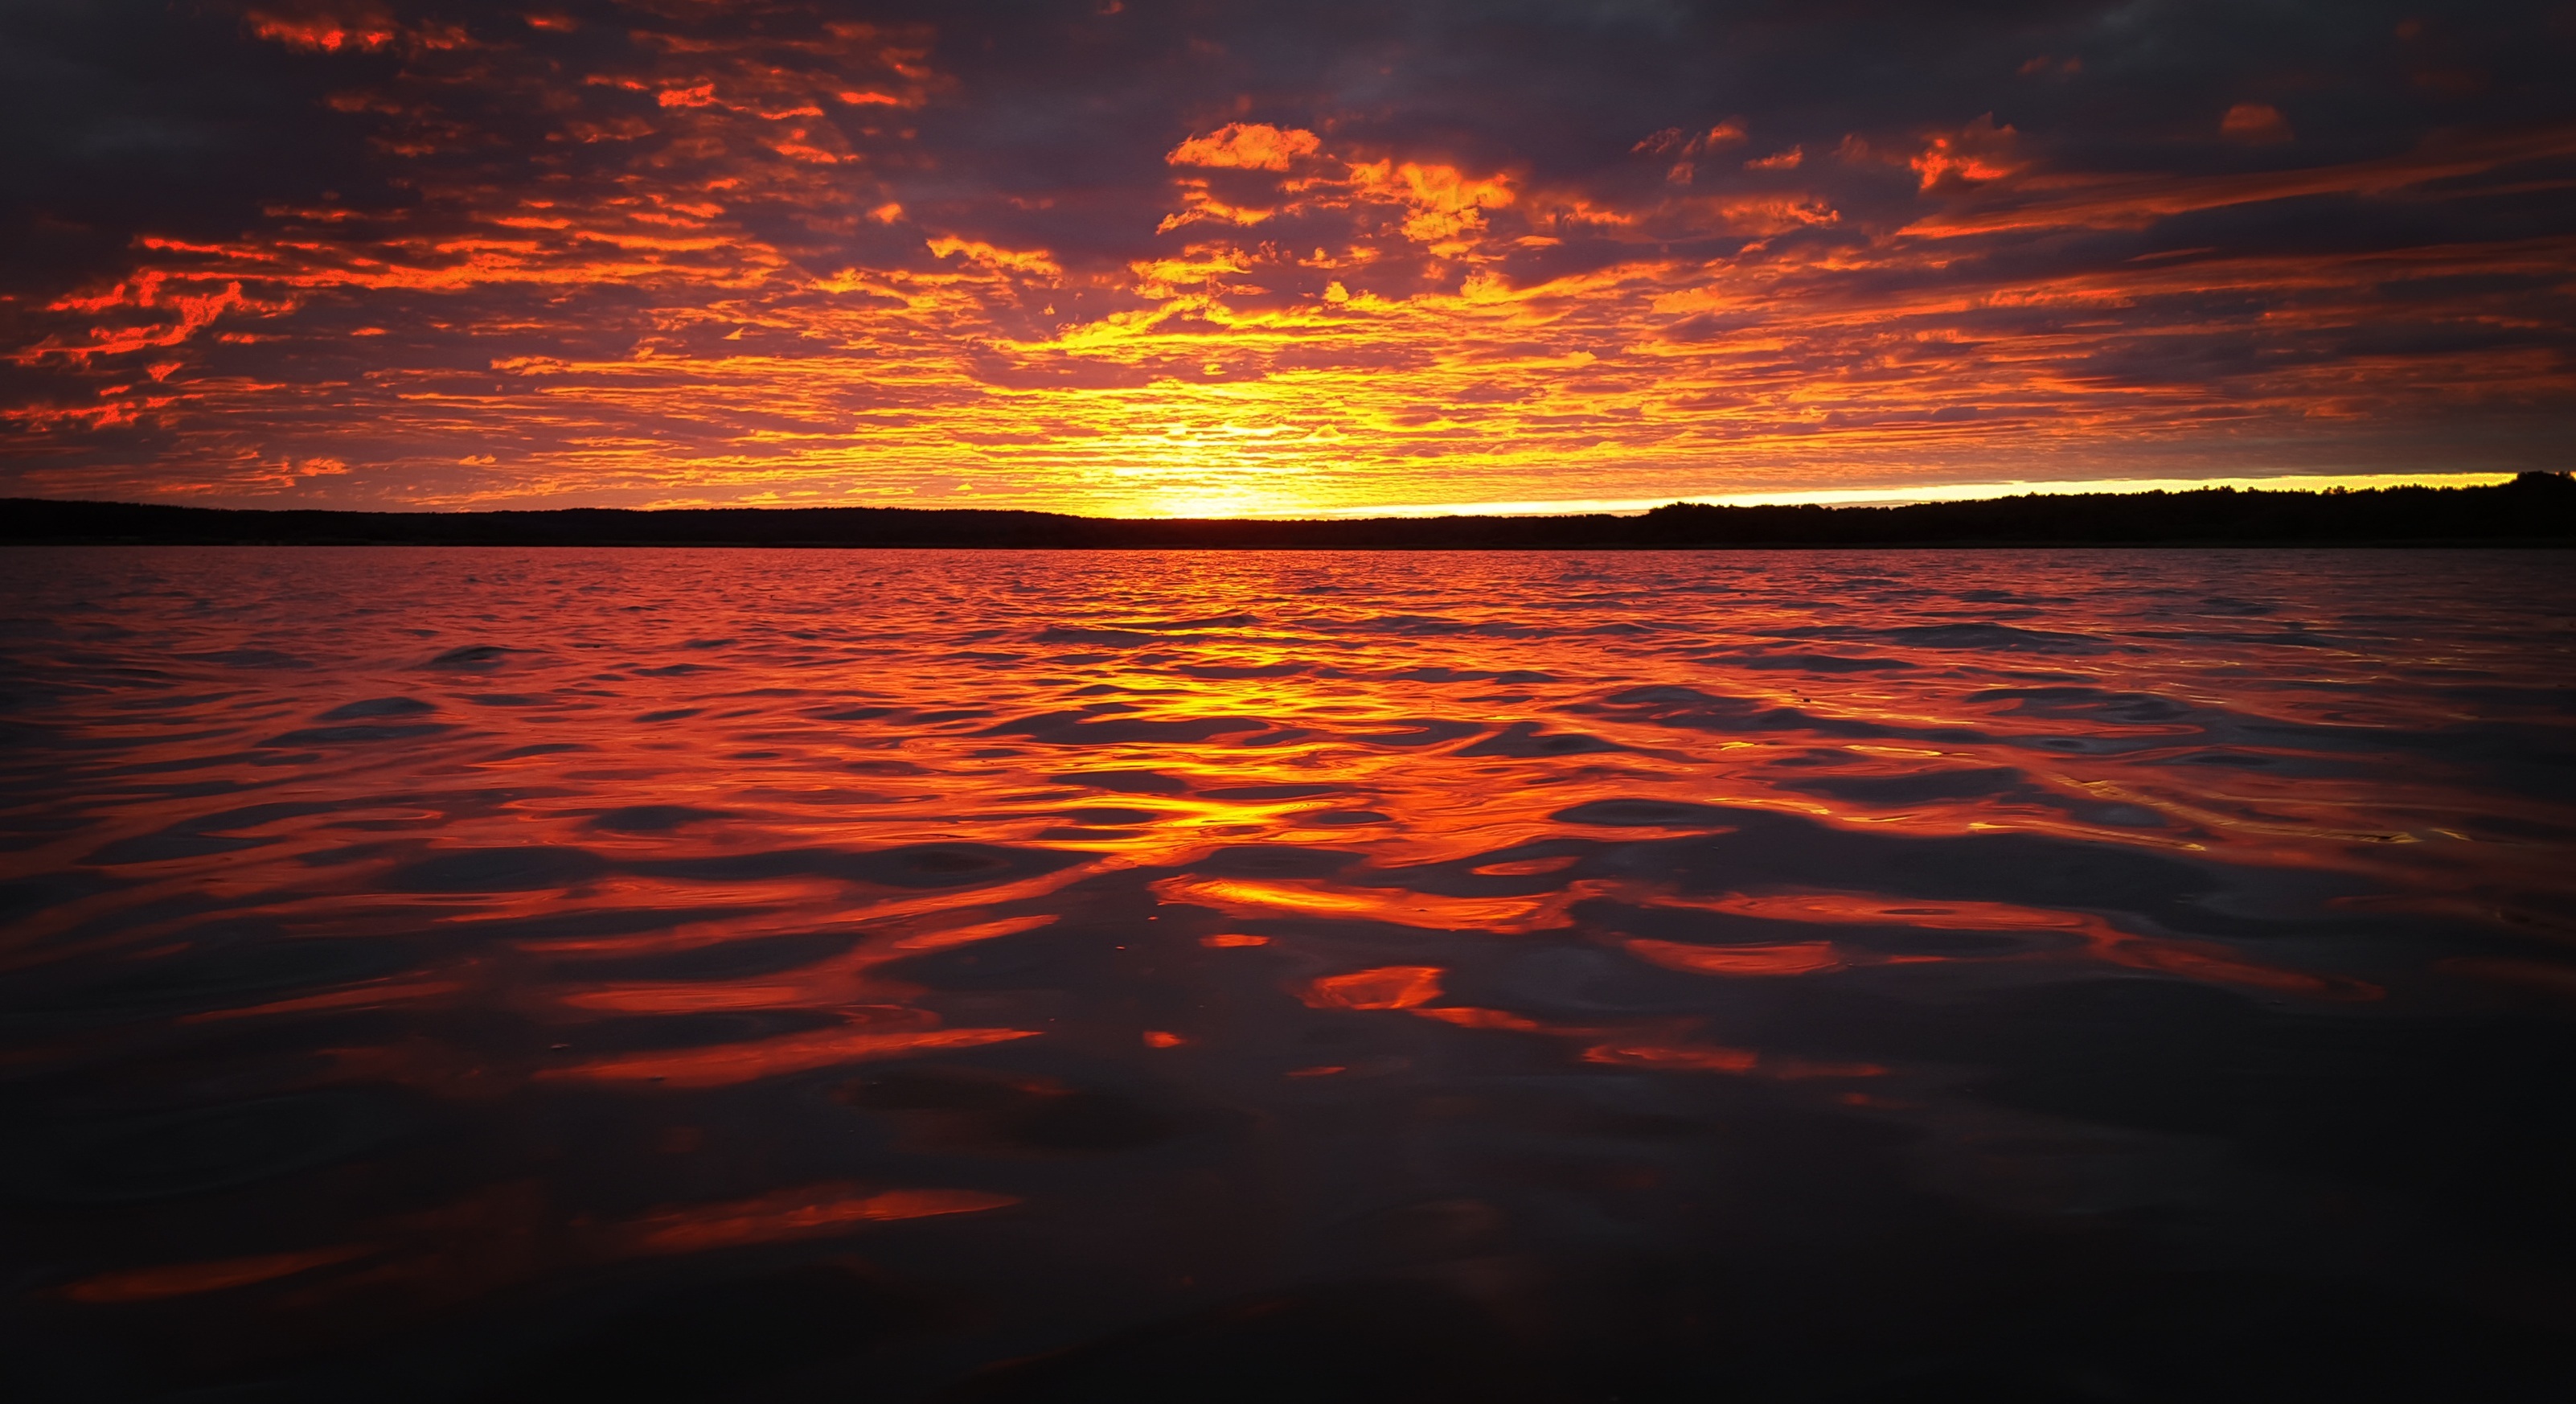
2534 509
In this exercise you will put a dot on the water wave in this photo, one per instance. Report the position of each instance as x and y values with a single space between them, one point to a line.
1673 970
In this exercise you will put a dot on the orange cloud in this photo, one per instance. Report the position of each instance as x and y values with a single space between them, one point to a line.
1764 216
1441 202
1253 146
144 293
1030 261
1199 203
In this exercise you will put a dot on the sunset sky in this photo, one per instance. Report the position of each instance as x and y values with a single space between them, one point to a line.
1131 257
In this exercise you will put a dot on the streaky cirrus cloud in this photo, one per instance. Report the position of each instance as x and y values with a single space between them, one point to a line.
1211 258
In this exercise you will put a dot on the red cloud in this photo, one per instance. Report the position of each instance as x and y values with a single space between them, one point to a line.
1673 141
2257 123
326 30
357 26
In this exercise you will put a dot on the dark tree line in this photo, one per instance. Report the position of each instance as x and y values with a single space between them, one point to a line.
2536 508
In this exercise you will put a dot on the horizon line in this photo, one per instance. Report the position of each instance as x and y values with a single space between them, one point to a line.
1908 496
1566 507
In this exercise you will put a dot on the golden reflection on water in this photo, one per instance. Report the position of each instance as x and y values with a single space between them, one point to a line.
927 876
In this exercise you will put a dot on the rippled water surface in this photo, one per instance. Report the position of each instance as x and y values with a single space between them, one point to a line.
492 974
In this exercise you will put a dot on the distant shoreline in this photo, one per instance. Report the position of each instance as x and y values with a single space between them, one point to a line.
2536 509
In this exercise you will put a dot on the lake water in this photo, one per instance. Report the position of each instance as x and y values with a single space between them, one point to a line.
675 975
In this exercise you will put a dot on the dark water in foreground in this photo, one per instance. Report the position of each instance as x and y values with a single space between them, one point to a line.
1854 976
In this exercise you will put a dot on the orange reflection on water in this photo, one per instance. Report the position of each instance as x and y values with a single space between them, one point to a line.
686 999
1650 1047
1240 898
1861 908
363 997
1526 867
1388 987
1410 988
2205 960
1798 958
188 1279
1712 1058
880 1025
1470 1017
729 1063
1703 1058
792 1213
939 938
